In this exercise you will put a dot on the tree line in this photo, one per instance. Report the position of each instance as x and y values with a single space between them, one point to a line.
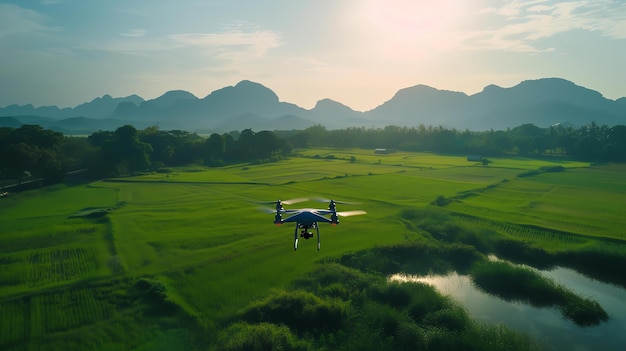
31 151
592 142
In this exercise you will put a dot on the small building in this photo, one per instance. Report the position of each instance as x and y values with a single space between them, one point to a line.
380 151
474 158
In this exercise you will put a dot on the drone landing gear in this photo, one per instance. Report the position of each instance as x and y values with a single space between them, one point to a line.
306 234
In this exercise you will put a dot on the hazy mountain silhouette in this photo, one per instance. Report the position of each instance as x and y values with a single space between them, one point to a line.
171 98
541 102
421 104
333 114
103 107
9 122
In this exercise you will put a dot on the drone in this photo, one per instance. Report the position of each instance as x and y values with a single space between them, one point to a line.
307 219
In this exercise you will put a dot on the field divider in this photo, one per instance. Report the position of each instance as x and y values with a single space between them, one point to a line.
507 227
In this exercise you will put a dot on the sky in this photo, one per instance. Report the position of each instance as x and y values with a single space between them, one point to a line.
356 52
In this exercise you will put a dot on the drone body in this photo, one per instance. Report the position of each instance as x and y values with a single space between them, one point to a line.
306 219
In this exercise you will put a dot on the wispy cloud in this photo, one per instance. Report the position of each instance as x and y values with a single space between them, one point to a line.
51 2
135 33
523 23
237 43
15 20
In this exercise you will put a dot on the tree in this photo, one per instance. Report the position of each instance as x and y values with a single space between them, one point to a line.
243 149
32 149
133 154
616 144
267 145
123 152
163 145
215 147
77 152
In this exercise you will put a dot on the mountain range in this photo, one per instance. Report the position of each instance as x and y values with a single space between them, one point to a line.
542 102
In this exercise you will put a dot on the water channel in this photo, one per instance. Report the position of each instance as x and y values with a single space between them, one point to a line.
546 324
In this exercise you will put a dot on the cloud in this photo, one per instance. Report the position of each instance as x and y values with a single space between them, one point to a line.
236 44
523 23
15 20
135 33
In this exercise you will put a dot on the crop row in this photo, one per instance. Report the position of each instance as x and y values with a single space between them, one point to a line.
58 236
561 225
46 267
526 232
197 243
34 316
14 317
68 309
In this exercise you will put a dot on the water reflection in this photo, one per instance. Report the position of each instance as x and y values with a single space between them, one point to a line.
544 323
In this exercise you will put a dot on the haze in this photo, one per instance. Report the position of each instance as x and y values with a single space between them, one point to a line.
357 52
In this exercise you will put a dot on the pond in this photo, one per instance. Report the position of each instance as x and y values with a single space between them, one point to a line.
546 324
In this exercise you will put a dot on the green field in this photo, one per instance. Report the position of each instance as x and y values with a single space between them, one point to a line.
65 275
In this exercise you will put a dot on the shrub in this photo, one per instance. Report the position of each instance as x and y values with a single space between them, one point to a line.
426 300
300 310
558 168
512 282
453 318
262 336
394 294
441 201
531 173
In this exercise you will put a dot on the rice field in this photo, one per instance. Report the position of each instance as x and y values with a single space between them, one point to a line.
588 202
198 231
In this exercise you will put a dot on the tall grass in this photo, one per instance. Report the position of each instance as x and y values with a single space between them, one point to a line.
523 284
369 314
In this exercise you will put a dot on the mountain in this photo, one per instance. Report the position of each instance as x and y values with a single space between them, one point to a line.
102 107
421 104
9 122
333 115
171 98
542 102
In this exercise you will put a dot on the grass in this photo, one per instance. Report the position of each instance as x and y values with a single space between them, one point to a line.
557 201
197 231
340 308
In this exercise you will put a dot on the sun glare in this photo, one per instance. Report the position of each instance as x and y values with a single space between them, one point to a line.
407 18
406 28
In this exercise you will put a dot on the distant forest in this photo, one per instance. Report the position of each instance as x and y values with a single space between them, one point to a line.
32 152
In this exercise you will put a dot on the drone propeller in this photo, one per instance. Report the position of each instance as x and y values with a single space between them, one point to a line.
294 201
286 202
351 213
266 209
273 210
337 202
